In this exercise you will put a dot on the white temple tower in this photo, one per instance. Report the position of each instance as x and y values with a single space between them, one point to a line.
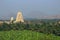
11 20
19 17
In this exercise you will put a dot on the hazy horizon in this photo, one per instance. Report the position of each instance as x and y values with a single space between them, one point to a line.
39 9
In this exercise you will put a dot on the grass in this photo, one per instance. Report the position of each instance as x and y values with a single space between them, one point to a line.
26 35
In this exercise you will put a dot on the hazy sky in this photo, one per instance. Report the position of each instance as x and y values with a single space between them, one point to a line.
30 8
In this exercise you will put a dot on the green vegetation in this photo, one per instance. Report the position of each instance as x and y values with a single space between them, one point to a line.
26 35
42 27
30 30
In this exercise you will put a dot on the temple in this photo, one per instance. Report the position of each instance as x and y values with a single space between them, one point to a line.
19 17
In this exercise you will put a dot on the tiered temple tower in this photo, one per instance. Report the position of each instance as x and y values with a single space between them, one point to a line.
19 17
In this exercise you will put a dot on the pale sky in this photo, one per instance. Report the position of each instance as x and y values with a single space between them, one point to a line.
30 8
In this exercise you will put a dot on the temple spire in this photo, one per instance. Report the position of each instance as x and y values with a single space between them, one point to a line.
19 17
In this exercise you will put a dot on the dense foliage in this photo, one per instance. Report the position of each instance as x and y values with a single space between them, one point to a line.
42 27
26 35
